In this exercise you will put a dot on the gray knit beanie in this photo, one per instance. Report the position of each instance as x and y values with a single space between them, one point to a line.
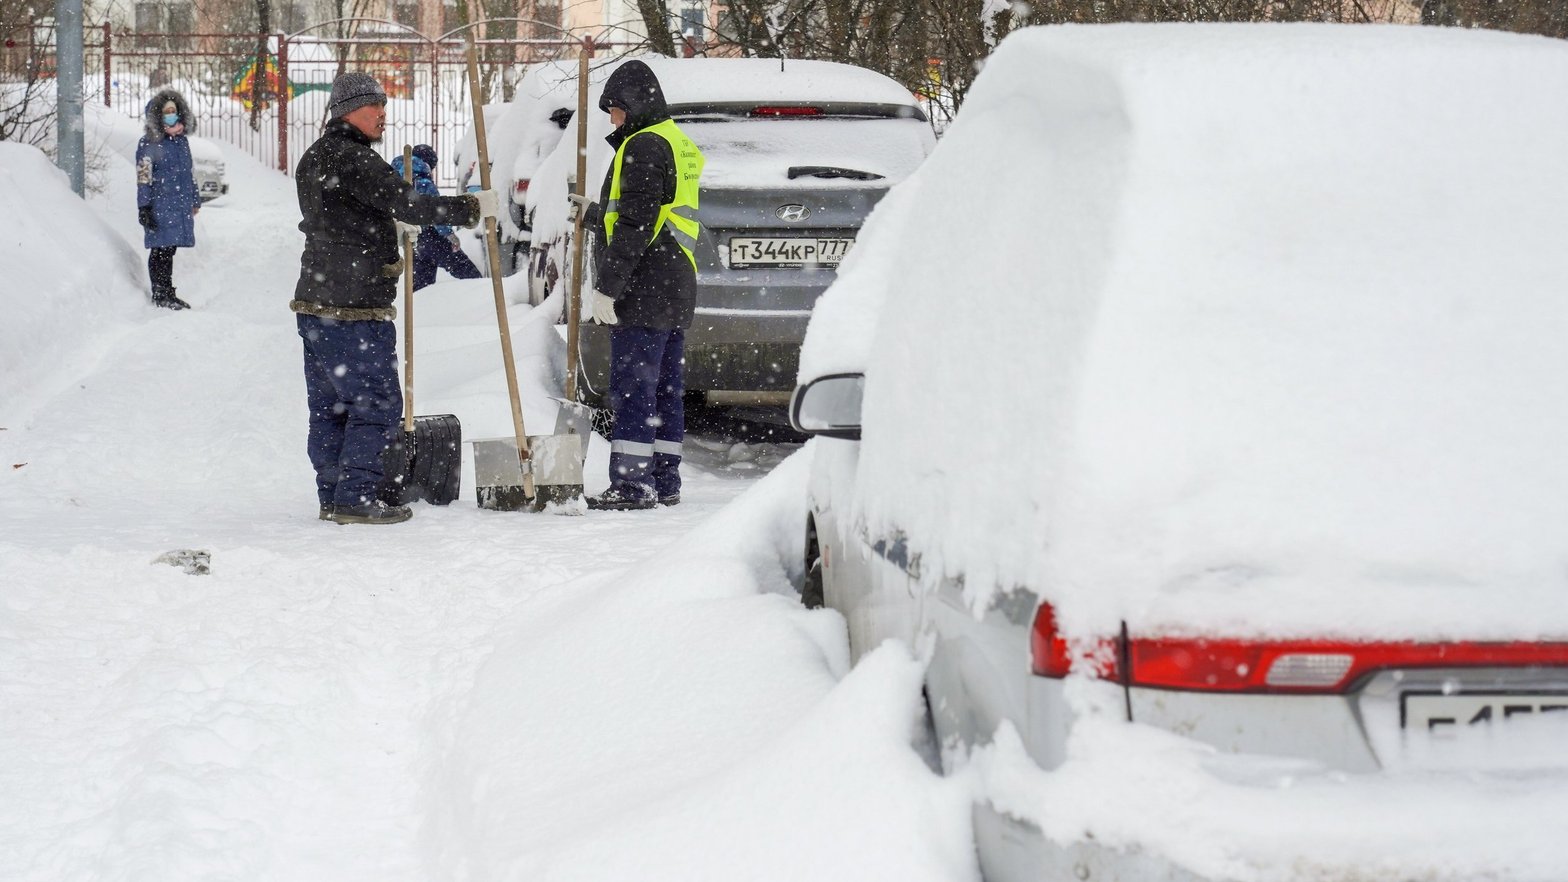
353 90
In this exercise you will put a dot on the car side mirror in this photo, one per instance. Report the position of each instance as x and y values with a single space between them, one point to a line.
829 406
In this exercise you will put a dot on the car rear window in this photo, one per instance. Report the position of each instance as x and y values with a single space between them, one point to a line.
827 150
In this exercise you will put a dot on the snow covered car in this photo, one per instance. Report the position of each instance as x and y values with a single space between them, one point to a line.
541 110
519 135
207 165
797 156
1253 565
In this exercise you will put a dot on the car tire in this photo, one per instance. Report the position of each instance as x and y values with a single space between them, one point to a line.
812 594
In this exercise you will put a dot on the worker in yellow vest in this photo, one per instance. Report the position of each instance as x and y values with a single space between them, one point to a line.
645 286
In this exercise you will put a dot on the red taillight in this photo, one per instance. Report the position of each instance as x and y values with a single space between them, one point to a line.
1055 657
521 186
1277 666
786 111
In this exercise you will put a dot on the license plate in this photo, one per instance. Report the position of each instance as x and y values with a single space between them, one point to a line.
1439 714
750 251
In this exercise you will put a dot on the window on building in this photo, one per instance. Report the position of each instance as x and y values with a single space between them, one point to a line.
694 20
181 19
149 18
406 13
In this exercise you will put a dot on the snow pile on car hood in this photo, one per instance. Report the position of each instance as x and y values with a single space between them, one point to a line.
1244 329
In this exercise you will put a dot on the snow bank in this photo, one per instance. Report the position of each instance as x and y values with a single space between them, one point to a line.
67 274
683 719
1252 329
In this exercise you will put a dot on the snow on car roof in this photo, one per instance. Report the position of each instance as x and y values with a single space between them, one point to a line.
1243 329
763 81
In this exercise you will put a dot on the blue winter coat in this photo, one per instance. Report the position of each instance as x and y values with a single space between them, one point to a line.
423 183
165 179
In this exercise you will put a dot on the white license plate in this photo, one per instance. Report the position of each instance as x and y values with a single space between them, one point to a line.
1439 714
749 251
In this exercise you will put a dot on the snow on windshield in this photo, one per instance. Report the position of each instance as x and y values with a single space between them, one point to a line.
1244 330
753 152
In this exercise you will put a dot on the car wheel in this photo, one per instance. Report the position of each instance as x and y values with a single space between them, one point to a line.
811 590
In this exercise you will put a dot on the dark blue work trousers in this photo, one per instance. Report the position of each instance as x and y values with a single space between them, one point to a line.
647 381
355 404
433 251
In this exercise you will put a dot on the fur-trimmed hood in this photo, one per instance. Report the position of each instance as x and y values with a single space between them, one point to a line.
152 115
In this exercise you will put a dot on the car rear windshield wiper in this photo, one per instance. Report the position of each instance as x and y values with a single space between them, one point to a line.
831 171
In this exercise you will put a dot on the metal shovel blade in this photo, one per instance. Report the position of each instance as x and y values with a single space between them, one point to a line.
558 473
573 418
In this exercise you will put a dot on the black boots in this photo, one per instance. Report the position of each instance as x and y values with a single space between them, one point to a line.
376 512
623 497
165 298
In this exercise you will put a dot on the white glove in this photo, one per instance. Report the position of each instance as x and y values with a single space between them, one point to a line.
576 205
602 306
489 203
407 230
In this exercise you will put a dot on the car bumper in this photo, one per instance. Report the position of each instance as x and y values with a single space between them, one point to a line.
1015 850
727 350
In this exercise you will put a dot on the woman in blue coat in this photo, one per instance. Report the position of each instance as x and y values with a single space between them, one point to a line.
166 196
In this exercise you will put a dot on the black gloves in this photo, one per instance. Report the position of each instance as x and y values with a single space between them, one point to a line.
145 218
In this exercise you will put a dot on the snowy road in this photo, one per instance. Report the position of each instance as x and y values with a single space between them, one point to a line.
473 695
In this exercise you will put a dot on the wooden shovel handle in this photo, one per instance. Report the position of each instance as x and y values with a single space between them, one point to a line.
408 305
574 302
492 240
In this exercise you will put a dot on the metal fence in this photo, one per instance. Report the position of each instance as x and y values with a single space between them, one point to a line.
267 93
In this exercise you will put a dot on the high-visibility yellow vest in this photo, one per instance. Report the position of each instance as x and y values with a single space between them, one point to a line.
681 214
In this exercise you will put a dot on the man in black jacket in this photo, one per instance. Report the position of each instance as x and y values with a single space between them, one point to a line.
352 203
645 286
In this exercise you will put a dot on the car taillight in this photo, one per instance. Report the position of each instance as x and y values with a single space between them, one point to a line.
521 186
1055 657
786 111
1264 666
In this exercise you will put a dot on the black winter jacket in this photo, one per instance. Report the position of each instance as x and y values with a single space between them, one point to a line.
349 197
652 283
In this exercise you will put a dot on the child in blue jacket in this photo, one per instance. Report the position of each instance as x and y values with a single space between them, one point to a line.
437 245
166 196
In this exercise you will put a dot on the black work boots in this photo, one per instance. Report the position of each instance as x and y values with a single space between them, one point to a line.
166 298
376 512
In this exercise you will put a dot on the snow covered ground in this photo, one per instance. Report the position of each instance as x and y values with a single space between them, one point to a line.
472 695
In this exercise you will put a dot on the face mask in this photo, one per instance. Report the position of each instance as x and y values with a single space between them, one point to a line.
170 119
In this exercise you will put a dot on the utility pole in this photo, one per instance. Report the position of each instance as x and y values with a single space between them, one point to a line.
70 148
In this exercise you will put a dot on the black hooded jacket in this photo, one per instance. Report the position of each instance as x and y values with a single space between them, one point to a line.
653 283
349 197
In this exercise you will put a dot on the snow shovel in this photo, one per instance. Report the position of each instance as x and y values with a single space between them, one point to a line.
426 460
572 418
506 469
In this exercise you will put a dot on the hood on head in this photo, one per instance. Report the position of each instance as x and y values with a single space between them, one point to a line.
634 88
421 168
152 115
